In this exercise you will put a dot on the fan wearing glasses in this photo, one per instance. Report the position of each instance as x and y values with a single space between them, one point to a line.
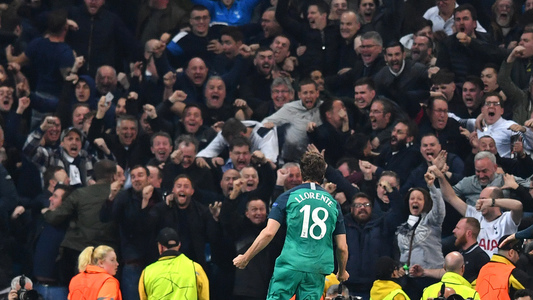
504 132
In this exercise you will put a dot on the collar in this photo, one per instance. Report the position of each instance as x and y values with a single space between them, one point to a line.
399 72
469 249
501 259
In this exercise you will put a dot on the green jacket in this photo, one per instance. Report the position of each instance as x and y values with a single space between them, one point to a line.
454 281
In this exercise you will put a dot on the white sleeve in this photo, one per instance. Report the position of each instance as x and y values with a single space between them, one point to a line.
214 148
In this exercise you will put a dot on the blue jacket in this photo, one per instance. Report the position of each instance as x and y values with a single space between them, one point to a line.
368 242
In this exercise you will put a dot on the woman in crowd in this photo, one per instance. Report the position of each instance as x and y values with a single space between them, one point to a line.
419 239
97 267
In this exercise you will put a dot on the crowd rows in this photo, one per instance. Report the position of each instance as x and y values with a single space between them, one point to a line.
121 118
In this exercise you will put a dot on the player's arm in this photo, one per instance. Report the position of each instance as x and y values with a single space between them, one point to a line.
262 240
342 257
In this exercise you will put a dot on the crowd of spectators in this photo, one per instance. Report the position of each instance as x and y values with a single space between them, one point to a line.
146 114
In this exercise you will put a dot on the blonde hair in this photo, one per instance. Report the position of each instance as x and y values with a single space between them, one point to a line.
91 256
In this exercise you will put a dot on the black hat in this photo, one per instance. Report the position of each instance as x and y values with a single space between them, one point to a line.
513 244
168 237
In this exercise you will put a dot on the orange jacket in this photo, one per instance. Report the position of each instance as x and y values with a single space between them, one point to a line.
94 283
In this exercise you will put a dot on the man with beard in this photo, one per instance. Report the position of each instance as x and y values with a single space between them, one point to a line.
243 229
70 155
403 81
189 217
487 210
422 51
466 232
129 209
255 86
400 155
504 24
369 237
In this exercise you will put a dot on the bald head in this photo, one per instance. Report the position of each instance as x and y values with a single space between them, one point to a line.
454 262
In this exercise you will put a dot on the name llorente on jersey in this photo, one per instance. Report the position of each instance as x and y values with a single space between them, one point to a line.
314 196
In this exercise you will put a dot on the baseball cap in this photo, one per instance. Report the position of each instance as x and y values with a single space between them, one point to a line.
514 244
68 130
168 237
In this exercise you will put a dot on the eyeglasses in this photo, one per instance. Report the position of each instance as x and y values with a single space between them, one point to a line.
489 104
361 205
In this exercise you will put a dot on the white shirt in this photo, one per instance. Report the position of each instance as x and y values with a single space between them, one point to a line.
491 232
266 143
502 136
439 23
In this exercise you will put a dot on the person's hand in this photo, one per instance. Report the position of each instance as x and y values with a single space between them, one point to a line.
24 103
517 128
78 63
240 103
271 125
17 212
432 71
282 176
13 295
147 194
136 69
217 161
240 262
258 157
214 46
245 50
343 70
429 177
313 148
483 203
463 38
343 277
101 144
150 111
440 159
72 78
301 50
165 38
518 148
416 271
102 108
9 53
177 156
340 197
177 96
169 79
311 126
529 123
49 122
436 172
169 199
201 163
72 25
386 185
507 240
330 187
509 182
13 67
288 64
218 126
214 208
473 139
114 189
237 185
518 52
